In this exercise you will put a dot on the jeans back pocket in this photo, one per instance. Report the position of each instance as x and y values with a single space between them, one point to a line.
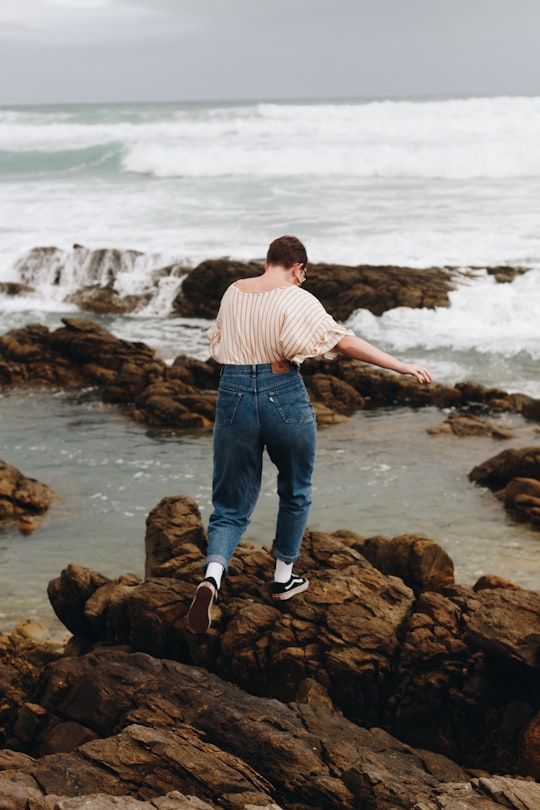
293 405
227 405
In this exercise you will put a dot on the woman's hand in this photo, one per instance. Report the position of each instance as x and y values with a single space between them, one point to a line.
421 374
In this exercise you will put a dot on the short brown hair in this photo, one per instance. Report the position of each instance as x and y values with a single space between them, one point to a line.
286 251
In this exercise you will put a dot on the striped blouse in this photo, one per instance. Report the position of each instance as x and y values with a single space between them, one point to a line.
286 323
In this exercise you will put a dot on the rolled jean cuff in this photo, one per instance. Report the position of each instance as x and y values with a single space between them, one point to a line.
216 558
286 558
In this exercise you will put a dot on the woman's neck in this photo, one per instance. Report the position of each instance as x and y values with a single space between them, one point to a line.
272 278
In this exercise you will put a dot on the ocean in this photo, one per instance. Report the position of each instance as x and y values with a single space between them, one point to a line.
419 183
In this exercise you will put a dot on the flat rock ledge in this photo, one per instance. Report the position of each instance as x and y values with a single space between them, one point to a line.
83 354
22 498
384 686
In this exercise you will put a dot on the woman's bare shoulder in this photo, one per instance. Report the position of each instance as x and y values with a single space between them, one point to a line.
251 284
257 284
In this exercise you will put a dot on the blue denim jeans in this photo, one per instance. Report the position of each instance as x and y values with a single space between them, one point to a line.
258 409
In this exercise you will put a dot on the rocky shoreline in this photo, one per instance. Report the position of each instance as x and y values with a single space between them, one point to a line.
384 686
130 375
101 281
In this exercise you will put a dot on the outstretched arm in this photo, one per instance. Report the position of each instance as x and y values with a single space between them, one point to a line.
359 349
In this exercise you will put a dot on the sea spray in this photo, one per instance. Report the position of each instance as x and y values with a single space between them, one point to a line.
412 183
55 274
483 316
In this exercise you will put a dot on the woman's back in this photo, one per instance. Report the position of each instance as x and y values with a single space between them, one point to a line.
260 323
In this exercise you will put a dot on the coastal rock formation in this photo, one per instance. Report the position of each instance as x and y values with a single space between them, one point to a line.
23 653
118 280
82 353
340 288
114 725
94 298
452 669
128 731
466 424
515 476
499 470
107 280
13 288
504 274
22 497
522 498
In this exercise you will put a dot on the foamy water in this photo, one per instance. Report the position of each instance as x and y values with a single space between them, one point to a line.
418 183
432 182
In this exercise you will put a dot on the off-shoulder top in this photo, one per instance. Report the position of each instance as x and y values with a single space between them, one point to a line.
286 323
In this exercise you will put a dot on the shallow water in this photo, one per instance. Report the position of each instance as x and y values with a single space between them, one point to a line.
378 473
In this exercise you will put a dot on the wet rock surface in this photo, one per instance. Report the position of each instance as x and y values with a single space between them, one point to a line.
94 298
373 689
13 288
166 735
515 477
21 498
340 288
82 353
23 653
444 667
463 424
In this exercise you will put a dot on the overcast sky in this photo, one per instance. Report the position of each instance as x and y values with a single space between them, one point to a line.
156 50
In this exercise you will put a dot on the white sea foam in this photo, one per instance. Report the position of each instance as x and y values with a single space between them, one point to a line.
468 138
419 183
483 316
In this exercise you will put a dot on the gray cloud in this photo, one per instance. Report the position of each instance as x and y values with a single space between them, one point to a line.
207 49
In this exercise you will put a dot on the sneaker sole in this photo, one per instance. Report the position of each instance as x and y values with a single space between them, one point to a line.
200 612
281 597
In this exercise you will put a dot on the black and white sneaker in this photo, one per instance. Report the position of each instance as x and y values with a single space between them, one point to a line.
200 611
284 590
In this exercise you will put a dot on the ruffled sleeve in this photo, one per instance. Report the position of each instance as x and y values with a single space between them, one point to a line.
214 337
309 330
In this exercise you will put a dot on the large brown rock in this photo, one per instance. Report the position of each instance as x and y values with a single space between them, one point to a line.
516 474
341 289
160 731
464 424
13 288
171 526
23 653
94 298
427 668
379 387
499 470
20 496
420 562
522 498
203 288
176 404
335 394
507 623
83 353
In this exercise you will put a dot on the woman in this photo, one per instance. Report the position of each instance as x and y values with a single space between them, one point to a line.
265 328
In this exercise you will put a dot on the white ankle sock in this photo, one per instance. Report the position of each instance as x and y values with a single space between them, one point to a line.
283 571
214 570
